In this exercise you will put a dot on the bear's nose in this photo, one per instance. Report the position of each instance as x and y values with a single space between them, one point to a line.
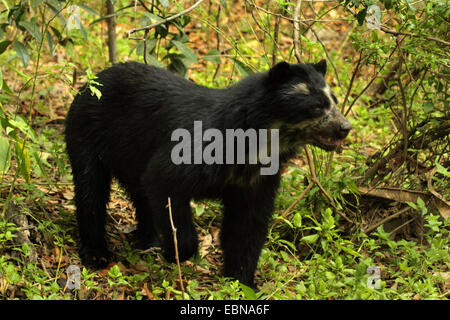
345 129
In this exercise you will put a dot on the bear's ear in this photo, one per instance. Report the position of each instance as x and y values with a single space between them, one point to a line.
279 72
321 67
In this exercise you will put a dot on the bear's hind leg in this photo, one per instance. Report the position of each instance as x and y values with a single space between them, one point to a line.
146 236
92 187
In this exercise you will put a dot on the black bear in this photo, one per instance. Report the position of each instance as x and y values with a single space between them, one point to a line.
133 133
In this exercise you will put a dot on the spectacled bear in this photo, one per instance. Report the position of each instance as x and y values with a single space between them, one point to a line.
127 134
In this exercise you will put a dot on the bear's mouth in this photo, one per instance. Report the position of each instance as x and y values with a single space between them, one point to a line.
327 143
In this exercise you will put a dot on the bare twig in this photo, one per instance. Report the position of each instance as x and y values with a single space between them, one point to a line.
303 21
317 182
195 5
219 9
328 57
402 33
175 243
300 197
145 46
404 123
399 33
275 40
379 223
112 48
373 78
297 31
355 71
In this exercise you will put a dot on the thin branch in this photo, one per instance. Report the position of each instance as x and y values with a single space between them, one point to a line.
328 57
379 223
300 197
145 46
355 71
399 33
303 21
373 78
175 243
297 31
167 19
275 40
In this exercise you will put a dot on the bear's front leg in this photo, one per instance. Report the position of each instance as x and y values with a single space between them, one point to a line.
246 217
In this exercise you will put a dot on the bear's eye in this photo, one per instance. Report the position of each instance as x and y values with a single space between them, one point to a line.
316 111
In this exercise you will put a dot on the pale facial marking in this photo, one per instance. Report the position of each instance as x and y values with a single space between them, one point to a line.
301 88
327 91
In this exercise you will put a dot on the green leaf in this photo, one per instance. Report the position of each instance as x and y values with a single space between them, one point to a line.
4 45
213 56
86 8
420 202
33 29
51 44
428 107
442 170
42 171
177 65
297 220
311 238
244 69
190 56
328 218
150 18
164 3
1 78
154 61
24 163
6 89
5 154
22 53
199 210
249 294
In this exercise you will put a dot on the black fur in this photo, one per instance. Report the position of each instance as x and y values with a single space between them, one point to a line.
127 135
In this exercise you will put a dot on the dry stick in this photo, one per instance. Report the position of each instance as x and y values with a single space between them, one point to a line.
167 19
399 33
145 46
175 243
219 9
355 71
328 57
317 182
376 225
275 40
300 197
297 31
404 125
325 50
330 157
402 225
303 21
372 80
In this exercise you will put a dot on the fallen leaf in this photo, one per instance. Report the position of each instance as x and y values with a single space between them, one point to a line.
205 244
